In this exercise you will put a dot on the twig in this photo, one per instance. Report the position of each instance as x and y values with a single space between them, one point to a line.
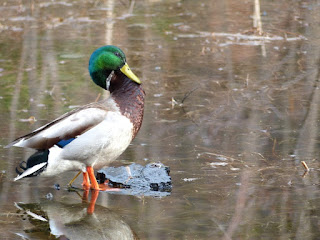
188 94
305 166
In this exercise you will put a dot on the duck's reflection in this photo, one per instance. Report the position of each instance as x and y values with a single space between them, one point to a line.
73 221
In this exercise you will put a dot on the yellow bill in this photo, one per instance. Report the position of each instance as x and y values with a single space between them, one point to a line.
127 71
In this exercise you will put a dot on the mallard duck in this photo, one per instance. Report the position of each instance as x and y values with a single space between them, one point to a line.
93 135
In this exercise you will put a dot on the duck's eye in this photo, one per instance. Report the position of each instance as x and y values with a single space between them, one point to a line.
117 54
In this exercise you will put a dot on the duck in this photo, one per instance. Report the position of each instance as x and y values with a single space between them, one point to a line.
94 135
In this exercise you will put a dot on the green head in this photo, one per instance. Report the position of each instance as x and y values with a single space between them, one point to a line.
106 59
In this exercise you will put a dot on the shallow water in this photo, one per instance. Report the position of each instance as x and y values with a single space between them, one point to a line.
231 112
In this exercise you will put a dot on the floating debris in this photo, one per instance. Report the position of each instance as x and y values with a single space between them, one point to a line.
22 19
241 39
240 36
173 102
31 119
189 179
234 169
158 94
222 158
49 196
214 164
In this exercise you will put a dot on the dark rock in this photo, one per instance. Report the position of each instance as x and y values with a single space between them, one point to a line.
150 180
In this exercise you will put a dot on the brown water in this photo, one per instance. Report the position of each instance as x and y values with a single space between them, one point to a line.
231 112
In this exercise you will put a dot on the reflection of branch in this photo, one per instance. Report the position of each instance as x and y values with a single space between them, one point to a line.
240 204
257 18
220 226
258 25
131 7
307 140
297 79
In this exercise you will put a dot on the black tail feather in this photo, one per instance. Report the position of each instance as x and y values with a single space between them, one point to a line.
19 172
34 159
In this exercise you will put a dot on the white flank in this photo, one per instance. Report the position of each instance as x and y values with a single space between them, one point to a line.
30 171
102 144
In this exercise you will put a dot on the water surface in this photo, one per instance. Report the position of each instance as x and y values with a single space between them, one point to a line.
232 112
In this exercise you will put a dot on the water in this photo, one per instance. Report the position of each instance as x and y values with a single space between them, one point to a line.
231 112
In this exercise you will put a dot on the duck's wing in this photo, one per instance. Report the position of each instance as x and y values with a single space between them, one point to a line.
68 126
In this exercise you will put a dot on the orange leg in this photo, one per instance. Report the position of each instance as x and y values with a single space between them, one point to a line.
86 182
93 180
85 196
94 197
